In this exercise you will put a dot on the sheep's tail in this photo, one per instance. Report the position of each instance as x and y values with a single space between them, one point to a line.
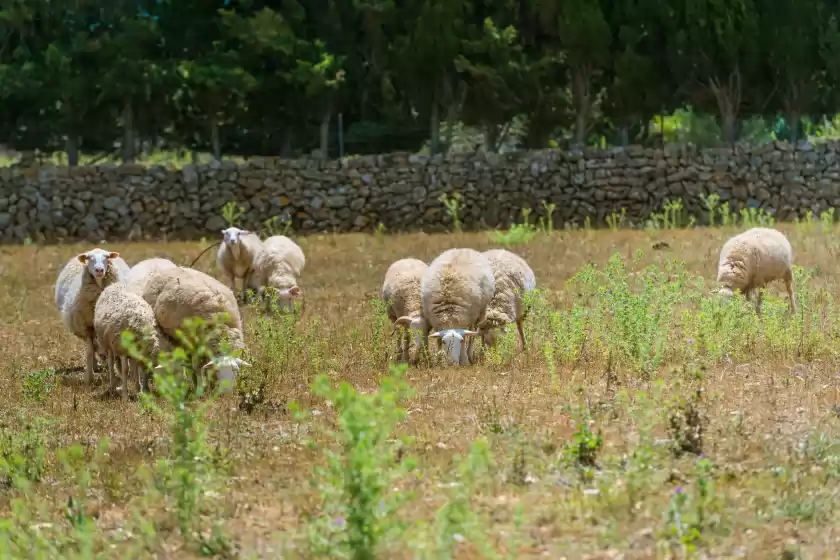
216 244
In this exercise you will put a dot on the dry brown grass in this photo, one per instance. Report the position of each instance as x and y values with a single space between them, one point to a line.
769 494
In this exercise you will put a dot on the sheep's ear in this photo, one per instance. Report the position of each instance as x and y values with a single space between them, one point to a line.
404 321
207 365
242 362
467 334
113 255
434 335
83 258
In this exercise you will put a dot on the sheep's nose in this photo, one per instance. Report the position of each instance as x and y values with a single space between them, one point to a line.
99 269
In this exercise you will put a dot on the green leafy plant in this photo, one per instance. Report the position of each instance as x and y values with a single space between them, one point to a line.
38 385
231 212
365 465
276 225
452 205
546 223
516 233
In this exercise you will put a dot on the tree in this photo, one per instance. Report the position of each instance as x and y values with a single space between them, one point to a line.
427 50
714 49
579 29
790 42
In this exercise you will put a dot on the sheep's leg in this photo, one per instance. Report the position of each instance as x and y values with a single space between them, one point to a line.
245 280
759 297
91 361
521 331
789 288
112 379
142 378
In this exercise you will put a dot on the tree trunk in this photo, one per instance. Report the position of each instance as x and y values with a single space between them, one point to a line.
215 139
128 132
624 136
72 147
325 134
491 137
730 127
434 126
582 101
794 125
286 150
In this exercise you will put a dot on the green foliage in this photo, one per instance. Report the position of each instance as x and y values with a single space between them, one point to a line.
38 385
452 205
231 212
366 464
517 233
22 453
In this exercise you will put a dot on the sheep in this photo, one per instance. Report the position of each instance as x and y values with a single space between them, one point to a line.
455 290
77 288
401 293
145 275
183 293
119 309
277 267
236 255
751 260
512 279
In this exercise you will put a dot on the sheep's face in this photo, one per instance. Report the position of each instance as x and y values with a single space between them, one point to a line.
226 369
417 325
491 335
725 292
454 342
286 298
232 235
96 262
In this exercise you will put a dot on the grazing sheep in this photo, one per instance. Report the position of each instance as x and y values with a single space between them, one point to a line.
455 291
77 288
145 275
118 309
236 255
512 279
401 293
754 258
276 269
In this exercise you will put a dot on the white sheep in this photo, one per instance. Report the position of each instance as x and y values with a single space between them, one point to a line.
751 260
513 278
277 268
185 293
455 291
118 309
236 255
146 275
77 288
401 293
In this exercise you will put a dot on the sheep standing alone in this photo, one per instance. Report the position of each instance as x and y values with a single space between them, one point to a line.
401 293
236 255
512 279
455 291
276 268
752 259
119 309
77 288
146 275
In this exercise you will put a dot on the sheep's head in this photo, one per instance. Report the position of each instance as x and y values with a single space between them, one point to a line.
226 368
724 291
416 323
492 327
285 297
232 235
453 339
96 262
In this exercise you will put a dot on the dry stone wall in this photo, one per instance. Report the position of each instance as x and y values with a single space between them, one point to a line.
401 191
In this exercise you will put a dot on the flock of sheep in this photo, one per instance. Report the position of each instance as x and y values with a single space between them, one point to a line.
99 297
461 294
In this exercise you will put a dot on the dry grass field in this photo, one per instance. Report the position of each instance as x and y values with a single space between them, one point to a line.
646 419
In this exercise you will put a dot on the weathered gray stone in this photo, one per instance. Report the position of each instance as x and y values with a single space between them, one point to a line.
402 190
